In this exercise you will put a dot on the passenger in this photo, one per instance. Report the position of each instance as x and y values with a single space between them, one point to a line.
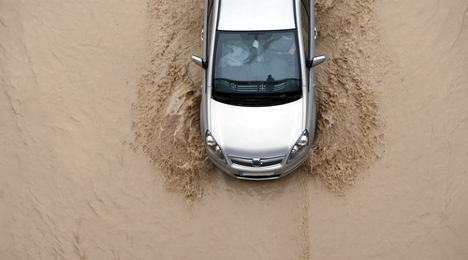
236 54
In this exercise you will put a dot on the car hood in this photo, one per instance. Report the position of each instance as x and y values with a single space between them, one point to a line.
256 131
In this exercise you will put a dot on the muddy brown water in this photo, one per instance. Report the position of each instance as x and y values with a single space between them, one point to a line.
349 130
100 150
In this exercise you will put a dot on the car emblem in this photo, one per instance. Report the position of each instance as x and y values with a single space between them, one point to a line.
256 162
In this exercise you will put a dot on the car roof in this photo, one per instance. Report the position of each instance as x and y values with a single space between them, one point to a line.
256 15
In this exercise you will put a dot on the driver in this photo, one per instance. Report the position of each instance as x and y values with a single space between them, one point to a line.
283 45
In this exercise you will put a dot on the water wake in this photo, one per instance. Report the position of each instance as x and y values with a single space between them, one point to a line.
166 123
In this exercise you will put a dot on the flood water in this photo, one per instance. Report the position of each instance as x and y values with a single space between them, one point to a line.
101 156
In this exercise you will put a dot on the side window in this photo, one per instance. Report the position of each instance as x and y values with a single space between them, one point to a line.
305 24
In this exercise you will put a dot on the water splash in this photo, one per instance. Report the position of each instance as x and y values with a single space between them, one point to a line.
166 123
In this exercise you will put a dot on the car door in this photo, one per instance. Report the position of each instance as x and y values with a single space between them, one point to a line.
307 21
206 38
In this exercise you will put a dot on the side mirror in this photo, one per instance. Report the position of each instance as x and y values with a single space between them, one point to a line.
199 61
317 60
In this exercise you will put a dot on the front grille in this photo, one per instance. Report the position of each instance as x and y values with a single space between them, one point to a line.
256 162
241 162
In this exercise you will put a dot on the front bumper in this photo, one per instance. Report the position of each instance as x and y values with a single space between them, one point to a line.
259 173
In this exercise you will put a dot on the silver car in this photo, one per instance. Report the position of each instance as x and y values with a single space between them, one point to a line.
258 111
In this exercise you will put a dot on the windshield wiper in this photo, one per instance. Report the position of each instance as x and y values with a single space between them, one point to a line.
246 100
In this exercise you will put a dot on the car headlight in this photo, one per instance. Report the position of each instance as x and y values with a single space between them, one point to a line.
213 147
299 147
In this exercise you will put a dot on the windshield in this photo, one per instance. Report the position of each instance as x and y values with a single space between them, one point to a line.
256 68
